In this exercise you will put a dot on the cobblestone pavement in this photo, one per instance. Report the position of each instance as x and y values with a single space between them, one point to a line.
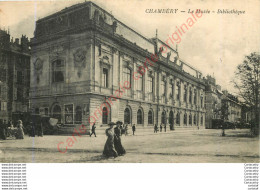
179 146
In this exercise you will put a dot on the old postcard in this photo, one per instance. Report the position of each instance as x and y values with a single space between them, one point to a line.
139 81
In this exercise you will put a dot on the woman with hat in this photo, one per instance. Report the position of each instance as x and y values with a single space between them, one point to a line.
20 133
118 145
109 149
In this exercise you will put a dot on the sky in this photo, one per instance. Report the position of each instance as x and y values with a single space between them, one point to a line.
214 45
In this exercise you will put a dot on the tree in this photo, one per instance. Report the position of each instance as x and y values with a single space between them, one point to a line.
224 113
248 83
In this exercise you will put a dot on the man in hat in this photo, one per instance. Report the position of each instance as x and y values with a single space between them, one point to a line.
133 129
155 128
93 130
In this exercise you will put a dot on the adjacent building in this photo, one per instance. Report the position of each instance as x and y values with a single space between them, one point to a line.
219 103
234 107
82 55
14 76
213 102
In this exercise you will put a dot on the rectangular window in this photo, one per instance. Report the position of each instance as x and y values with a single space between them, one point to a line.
58 71
163 85
190 95
195 96
19 77
20 93
178 90
105 78
3 106
140 83
15 94
127 77
150 84
185 94
171 90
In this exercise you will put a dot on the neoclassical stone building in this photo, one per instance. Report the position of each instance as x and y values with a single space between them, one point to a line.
82 54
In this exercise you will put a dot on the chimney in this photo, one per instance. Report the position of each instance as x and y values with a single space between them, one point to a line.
24 43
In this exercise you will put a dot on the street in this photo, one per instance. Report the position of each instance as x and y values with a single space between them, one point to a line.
179 146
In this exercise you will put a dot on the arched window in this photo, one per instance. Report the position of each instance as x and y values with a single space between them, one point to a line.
56 113
104 115
190 119
185 119
163 117
58 71
194 119
150 117
78 116
127 116
139 117
178 118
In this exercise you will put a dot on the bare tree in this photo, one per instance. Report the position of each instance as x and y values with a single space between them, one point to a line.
247 81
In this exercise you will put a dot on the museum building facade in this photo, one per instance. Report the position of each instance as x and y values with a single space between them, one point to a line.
82 55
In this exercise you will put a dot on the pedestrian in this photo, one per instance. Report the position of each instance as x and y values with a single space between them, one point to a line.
2 131
117 140
11 129
109 149
223 130
126 130
20 133
164 127
155 128
5 127
32 129
93 130
40 130
161 127
133 129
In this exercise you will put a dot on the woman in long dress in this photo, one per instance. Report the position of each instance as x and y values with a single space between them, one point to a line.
109 149
20 133
118 145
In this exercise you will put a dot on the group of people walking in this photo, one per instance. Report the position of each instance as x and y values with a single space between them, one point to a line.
113 146
162 126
